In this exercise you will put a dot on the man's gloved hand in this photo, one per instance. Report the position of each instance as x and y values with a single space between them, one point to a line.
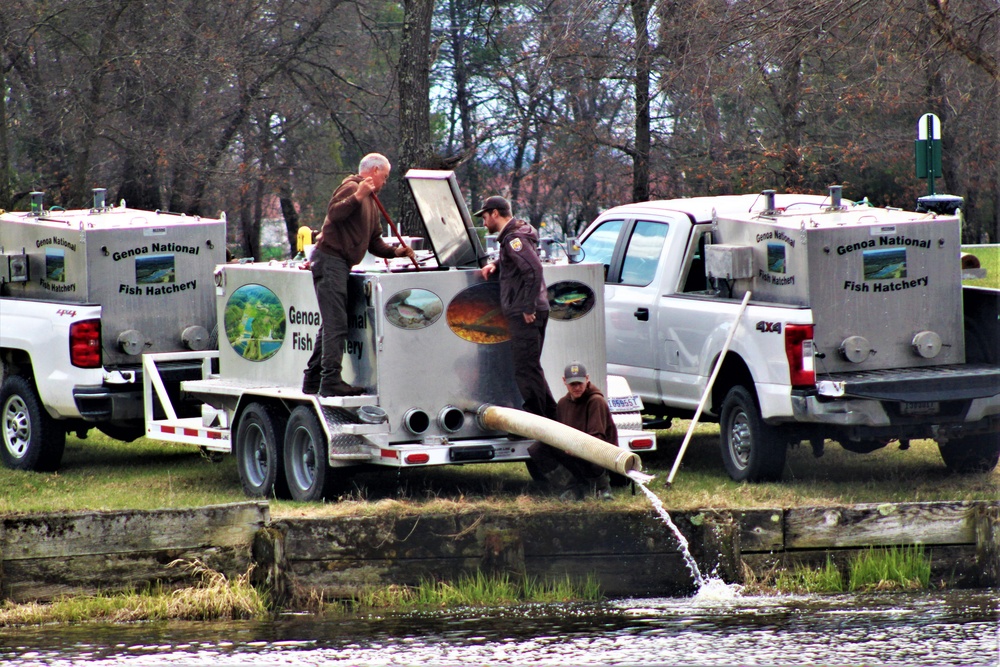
405 251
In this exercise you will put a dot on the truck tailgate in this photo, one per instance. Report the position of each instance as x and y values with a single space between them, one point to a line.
913 385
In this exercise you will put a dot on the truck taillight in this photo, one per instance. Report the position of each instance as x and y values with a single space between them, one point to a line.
799 350
85 344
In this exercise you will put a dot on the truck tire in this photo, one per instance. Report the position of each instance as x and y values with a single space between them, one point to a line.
32 439
971 454
309 476
259 452
751 450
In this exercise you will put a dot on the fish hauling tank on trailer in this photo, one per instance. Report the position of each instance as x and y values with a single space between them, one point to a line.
427 340
85 294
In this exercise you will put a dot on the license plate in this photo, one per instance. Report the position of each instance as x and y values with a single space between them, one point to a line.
625 403
921 408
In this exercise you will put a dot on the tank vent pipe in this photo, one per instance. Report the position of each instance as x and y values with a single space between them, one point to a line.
36 203
835 192
768 202
99 194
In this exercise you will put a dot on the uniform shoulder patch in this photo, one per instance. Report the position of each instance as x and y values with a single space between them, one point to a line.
516 245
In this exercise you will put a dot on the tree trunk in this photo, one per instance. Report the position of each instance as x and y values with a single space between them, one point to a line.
640 162
290 215
458 10
5 170
413 72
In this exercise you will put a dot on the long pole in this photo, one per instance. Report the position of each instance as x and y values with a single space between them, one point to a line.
708 388
392 226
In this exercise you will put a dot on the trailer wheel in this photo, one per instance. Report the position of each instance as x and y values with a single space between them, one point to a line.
751 449
971 454
309 476
32 439
259 456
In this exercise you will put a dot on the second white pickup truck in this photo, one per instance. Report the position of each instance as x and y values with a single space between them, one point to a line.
857 329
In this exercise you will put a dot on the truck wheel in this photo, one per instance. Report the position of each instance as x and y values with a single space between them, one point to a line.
751 450
972 454
309 476
259 456
32 439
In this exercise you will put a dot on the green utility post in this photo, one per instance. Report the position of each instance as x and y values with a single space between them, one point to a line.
928 149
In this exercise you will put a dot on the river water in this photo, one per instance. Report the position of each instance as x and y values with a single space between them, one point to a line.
926 628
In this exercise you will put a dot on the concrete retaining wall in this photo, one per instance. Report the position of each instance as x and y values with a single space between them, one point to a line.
630 552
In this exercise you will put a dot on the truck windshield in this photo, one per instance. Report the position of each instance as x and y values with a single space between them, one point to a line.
600 245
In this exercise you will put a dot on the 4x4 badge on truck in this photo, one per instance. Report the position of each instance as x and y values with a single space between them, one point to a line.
768 327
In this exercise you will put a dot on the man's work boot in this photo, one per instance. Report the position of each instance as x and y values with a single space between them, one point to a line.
310 383
600 487
576 491
559 478
340 388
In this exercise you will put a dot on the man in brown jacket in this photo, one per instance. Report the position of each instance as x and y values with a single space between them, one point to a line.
352 227
585 409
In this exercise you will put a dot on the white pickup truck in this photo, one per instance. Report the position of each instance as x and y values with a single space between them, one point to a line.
857 327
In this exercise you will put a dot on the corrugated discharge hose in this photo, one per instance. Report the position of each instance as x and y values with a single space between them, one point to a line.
560 436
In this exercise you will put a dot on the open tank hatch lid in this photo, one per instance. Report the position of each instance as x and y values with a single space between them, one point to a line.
450 231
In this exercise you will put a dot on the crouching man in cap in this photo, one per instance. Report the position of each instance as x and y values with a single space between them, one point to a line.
585 409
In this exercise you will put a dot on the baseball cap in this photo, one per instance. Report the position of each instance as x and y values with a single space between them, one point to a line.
575 372
494 202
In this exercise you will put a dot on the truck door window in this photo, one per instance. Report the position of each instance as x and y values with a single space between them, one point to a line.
600 245
695 280
643 253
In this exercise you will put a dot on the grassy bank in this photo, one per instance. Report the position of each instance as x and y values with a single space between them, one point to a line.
214 598
878 569
218 598
103 474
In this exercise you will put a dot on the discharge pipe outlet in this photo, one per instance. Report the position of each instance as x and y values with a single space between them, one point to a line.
560 436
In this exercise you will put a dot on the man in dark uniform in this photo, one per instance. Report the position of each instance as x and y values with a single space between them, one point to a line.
352 226
524 300
525 303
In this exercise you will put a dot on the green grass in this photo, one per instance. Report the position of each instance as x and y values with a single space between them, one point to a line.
103 474
874 569
803 579
215 597
890 569
475 590
989 259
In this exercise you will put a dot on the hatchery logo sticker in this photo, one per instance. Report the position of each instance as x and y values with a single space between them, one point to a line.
55 271
255 322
